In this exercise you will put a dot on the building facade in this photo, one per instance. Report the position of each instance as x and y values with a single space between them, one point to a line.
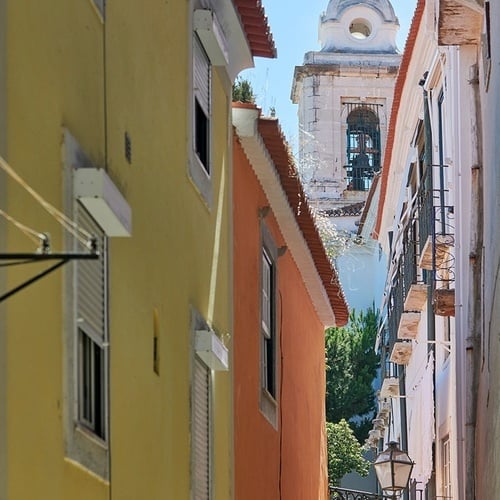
286 293
114 373
435 220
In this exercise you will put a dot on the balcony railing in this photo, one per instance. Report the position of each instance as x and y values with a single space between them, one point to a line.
343 494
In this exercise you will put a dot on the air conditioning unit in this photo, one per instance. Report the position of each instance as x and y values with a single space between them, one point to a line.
211 350
95 190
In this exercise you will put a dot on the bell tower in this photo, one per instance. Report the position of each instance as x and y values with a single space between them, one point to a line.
344 94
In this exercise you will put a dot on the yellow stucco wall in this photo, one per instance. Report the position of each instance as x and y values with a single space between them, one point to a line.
132 74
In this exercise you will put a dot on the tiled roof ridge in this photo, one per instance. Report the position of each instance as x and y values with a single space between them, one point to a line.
255 24
279 150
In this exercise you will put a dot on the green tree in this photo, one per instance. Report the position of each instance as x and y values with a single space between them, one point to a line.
242 91
345 454
351 369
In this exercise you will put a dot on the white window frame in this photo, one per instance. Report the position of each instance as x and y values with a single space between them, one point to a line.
81 442
199 171
201 419
446 483
269 327
92 326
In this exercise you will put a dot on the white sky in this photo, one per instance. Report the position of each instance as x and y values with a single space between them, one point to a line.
294 24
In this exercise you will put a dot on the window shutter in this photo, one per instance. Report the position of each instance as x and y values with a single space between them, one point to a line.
201 76
266 294
201 431
91 282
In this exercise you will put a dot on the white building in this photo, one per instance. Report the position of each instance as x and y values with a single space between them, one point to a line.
438 221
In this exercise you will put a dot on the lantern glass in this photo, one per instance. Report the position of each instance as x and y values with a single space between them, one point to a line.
393 468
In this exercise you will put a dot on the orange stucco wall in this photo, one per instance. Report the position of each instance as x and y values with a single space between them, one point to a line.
290 459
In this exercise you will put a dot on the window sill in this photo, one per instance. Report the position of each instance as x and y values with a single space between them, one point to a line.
88 434
269 407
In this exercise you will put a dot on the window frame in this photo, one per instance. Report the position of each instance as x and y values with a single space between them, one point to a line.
268 334
201 168
81 444
446 471
92 325
197 364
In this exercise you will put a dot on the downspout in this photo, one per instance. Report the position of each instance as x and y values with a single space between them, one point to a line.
473 340
429 276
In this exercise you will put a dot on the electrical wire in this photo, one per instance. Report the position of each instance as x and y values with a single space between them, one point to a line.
80 234
33 235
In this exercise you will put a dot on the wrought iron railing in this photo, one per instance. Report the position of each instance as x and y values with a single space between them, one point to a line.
443 244
425 204
395 303
410 269
344 494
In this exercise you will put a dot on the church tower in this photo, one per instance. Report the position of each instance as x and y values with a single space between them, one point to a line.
344 94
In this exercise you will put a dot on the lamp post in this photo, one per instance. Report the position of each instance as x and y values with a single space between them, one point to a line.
393 468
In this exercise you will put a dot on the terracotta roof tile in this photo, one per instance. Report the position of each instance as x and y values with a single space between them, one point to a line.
279 150
256 28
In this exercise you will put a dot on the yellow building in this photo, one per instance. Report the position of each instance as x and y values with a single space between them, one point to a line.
115 376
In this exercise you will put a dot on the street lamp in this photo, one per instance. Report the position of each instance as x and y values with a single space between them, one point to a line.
393 468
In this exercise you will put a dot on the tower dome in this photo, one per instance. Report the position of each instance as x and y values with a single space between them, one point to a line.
354 26
384 7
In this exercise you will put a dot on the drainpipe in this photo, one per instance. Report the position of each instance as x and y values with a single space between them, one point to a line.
429 276
473 341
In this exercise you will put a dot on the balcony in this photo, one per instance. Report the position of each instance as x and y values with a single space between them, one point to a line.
390 388
408 325
401 352
343 494
436 222
459 22
436 252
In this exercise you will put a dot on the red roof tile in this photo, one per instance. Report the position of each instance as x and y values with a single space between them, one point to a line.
256 28
278 148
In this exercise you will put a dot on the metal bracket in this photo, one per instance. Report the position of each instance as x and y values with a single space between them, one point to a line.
29 258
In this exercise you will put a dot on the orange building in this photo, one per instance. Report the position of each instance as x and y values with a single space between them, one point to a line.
286 293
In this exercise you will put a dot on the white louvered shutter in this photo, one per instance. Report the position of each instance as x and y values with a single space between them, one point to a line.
91 320
266 294
91 283
201 76
201 431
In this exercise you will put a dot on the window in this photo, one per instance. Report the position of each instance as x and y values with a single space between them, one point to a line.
91 321
268 329
91 386
446 468
200 163
200 431
85 333
363 145
202 73
360 29
486 45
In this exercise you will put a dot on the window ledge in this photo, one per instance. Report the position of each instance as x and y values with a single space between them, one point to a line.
269 407
88 434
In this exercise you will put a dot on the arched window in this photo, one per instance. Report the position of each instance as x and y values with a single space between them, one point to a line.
363 146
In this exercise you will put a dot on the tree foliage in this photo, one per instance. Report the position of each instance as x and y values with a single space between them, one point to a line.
345 454
351 369
242 91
